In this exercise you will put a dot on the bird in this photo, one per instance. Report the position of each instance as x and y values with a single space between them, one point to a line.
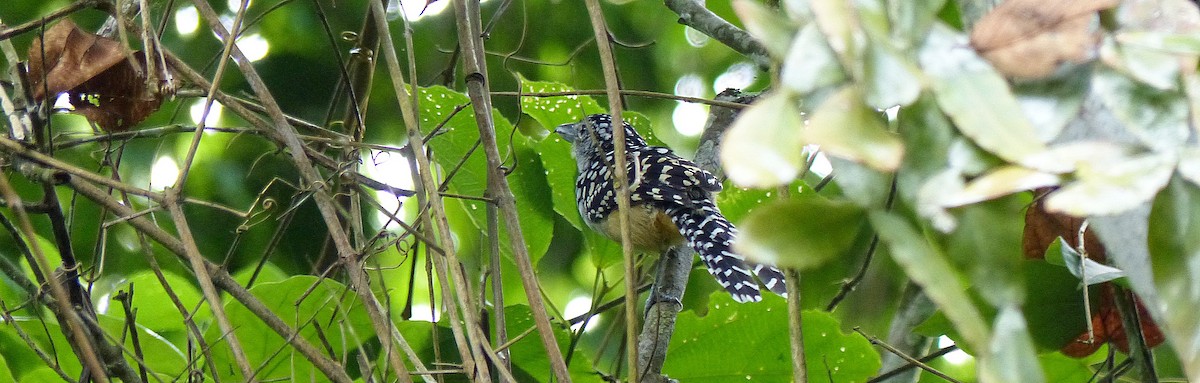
671 203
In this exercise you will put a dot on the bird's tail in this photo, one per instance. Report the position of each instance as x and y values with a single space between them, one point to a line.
711 236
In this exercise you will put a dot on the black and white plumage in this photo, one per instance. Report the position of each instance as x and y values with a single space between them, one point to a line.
671 203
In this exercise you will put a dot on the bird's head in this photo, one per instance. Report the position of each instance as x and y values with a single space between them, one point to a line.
594 135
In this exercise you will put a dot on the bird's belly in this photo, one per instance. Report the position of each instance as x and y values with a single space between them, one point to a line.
649 229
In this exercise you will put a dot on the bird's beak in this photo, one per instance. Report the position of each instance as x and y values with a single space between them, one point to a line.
567 131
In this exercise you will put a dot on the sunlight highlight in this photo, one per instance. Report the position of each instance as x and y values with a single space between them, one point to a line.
689 118
738 76
164 173
254 46
214 114
413 9
579 306
956 357
187 21
390 168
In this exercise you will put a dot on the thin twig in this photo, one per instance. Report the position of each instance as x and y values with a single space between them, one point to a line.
469 30
901 354
625 92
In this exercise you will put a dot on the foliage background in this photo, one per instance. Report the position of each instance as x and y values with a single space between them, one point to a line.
534 46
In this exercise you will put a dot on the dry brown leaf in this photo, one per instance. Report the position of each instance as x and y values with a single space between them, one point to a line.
1041 229
1031 38
101 84
71 57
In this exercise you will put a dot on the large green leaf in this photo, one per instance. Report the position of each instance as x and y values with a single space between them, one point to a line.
1175 257
979 101
306 303
1012 358
1113 184
1158 118
154 307
810 63
801 233
48 337
751 344
846 127
764 147
453 147
928 267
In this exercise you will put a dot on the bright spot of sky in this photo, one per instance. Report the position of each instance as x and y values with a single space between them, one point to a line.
955 357
413 8
187 20
578 306
254 46
163 173
233 5
214 113
820 165
738 76
390 168
689 118
421 312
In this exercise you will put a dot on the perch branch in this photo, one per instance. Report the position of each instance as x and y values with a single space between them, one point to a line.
693 14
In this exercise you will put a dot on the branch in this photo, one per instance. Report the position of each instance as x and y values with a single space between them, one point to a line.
676 264
475 68
692 13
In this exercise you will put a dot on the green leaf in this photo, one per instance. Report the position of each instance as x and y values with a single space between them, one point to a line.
1002 181
1174 242
551 112
1152 67
307 304
815 230
988 239
767 25
1159 119
911 20
845 127
1055 311
560 175
154 307
810 63
928 267
1090 272
48 337
1112 185
1011 358
979 100
890 79
764 148
1163 41
1051 104
158 353
763 351
453 147
838 22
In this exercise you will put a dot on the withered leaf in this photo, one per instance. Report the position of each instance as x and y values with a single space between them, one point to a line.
1108 328
71 57
1043 227
1030 38
100 82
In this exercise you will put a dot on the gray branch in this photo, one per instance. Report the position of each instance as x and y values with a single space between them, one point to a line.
666 296
692 13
